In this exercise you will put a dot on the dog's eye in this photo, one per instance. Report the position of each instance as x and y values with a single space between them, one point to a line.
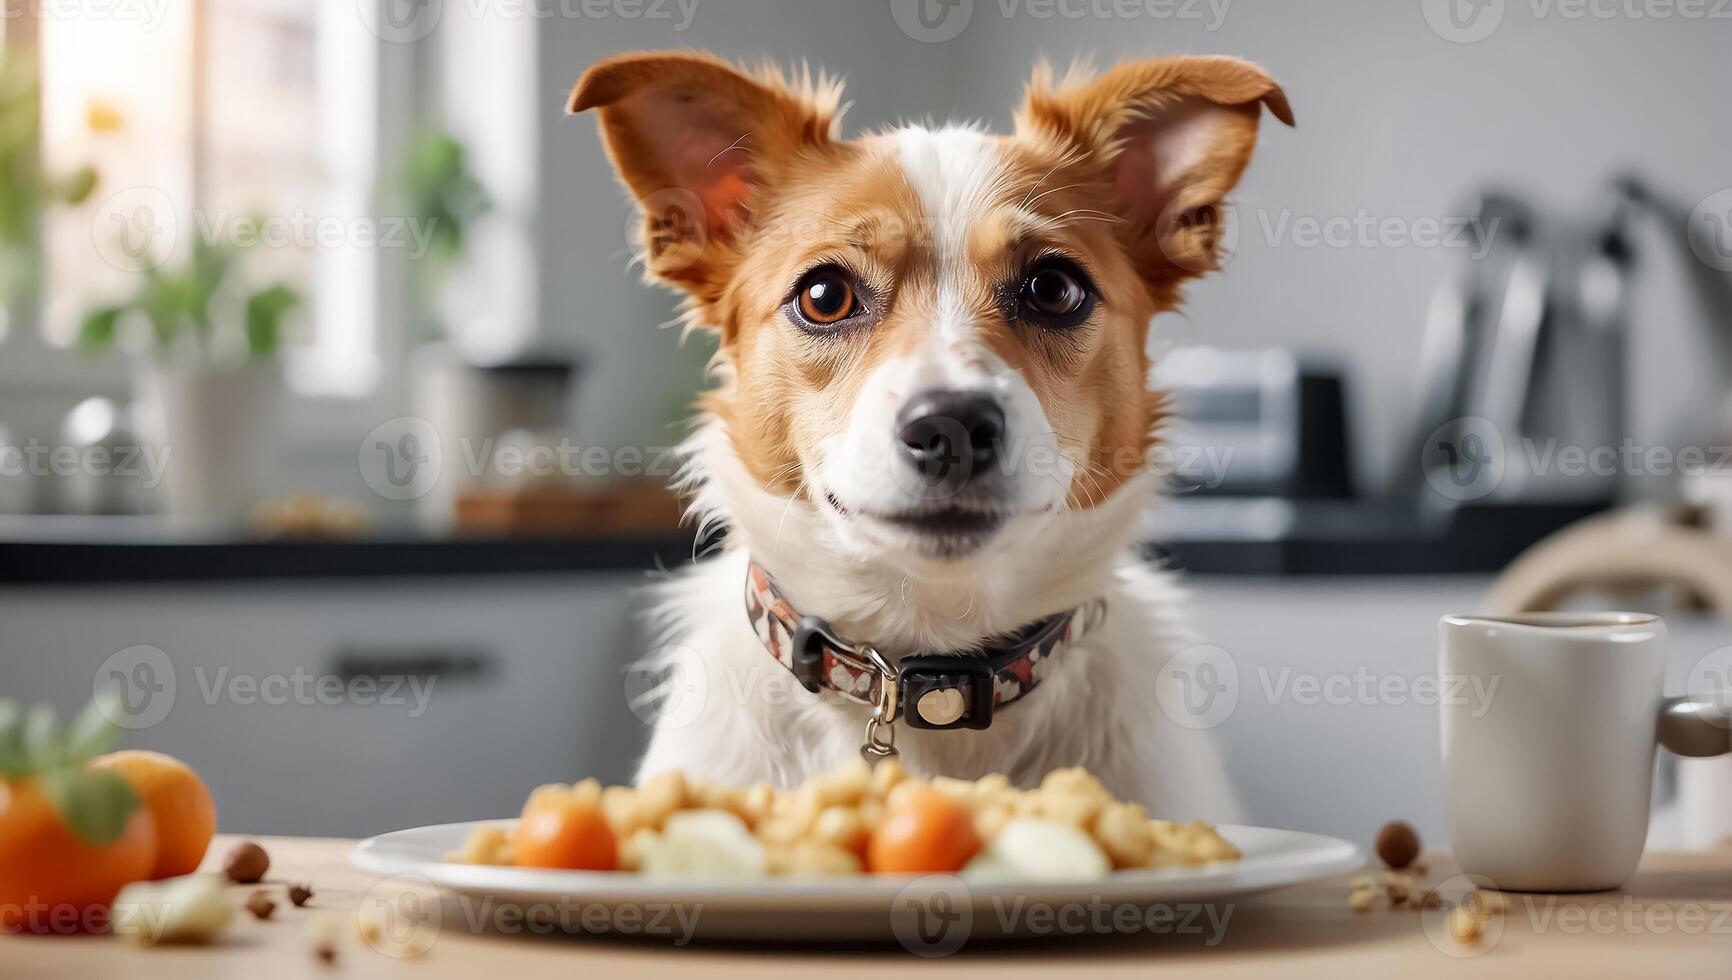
1056 293
825 297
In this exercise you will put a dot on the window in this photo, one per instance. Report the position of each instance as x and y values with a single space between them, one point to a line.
239 122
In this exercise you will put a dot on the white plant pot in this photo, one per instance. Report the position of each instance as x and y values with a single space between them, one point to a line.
220 433
442 395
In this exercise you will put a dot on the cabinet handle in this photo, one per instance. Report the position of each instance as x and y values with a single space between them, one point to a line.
447 664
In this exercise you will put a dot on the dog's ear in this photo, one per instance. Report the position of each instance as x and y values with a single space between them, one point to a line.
693 138
1172 135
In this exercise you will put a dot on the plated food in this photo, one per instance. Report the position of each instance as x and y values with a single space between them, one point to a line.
856 820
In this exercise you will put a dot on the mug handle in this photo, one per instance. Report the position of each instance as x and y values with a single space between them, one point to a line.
1696 728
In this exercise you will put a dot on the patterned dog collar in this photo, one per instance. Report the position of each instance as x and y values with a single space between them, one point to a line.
937 692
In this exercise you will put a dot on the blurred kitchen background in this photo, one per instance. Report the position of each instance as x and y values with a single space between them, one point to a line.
349 262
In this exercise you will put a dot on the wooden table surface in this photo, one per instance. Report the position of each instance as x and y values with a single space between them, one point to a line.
1674 919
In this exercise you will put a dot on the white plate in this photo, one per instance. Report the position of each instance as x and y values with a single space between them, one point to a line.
865 907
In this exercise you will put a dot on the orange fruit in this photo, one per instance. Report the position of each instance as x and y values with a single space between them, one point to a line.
178 800
926 833
50 880
559 831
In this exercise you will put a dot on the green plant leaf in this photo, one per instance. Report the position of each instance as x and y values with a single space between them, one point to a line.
92 732
265 312
77 188
41 738
443 197
95 804
12 760
97 332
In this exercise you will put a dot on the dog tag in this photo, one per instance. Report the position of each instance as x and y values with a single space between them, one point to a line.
940 706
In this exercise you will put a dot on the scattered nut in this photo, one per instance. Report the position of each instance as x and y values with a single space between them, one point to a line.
1396 886
1397 844
370 925
260 905
1360 899
323 933
190 909
246 863
1465 926
1362 882
300 893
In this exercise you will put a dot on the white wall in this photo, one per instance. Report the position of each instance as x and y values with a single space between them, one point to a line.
1394 121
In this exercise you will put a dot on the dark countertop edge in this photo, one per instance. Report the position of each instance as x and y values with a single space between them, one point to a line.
1473 542
59 563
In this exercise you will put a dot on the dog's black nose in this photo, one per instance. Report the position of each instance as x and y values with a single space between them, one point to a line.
951 437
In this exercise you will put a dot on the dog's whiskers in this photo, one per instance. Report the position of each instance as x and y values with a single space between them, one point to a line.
1088 214
781 521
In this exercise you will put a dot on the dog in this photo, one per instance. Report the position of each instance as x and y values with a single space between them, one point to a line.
930 437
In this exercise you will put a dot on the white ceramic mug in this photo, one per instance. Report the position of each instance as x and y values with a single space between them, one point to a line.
1551 774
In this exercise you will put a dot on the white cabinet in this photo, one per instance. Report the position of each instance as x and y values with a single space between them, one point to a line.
351 707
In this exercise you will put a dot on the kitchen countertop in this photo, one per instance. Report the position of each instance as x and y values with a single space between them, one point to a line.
1251 536
1674 918
58 550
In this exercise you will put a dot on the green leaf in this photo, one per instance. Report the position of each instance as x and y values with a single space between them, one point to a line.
95 804
41 738
92 732
12 761
265 312
78 188
97 332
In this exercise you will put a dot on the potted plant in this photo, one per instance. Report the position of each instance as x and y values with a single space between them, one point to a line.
441 192
25 190
209 389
